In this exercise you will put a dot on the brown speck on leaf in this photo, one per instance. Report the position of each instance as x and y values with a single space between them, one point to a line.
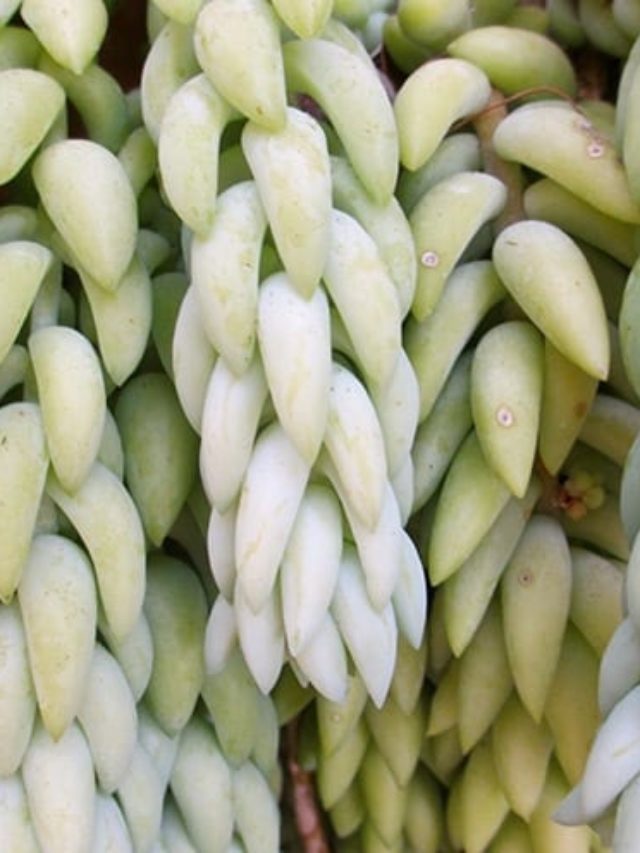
526 577
580 409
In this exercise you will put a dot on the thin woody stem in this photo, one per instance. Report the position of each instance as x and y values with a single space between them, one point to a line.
592 73
501 101
548 500
484 124
306 810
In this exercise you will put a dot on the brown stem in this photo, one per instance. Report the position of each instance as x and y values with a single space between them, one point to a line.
593 74
306 810
548 500
388 74
485 123
499 101
125 46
